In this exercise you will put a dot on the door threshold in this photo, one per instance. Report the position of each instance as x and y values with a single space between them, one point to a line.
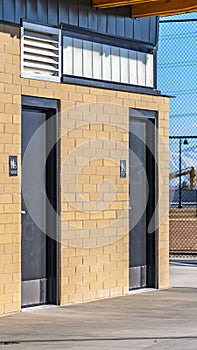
141 290
38 307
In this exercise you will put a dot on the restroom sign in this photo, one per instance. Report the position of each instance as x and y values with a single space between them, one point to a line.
123 173
13 166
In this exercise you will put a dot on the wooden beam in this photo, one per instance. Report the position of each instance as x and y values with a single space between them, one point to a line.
146 8
115 3
163 8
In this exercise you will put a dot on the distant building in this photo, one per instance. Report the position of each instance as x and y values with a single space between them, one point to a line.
189 198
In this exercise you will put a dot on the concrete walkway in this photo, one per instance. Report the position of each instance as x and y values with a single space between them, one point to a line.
157 320
183 272
150 320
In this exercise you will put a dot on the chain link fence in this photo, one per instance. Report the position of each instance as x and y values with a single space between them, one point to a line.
177 77
183 195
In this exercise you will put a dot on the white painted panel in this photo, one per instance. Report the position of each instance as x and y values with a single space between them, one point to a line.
106 63
149 70
87 59
124 65
77 55
97 61
67 55
115 61
132 67
93 60
141 69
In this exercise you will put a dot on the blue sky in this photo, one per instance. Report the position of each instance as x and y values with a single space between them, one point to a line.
177 72
177 76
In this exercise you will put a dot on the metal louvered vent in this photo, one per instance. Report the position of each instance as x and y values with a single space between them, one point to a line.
40 52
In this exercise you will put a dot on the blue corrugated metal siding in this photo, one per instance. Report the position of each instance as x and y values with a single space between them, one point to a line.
20 10
79 13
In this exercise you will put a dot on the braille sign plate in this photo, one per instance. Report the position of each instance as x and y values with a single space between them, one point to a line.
13 166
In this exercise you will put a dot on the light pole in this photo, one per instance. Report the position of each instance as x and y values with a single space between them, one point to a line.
180 168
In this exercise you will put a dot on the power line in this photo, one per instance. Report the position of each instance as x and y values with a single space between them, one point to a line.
178 20
182 115
178 64
182 35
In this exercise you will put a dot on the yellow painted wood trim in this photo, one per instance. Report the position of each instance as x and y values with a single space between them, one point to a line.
145 8
113 3
164 8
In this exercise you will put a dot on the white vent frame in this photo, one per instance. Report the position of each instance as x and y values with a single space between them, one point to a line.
32 65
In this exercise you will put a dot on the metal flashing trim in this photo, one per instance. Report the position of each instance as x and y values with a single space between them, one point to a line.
39 102
106 38
109 85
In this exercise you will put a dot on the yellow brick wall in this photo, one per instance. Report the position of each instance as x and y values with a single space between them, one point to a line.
94 198
163 183
10 130
94 215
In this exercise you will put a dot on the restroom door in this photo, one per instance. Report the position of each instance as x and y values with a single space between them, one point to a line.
38 184
142 197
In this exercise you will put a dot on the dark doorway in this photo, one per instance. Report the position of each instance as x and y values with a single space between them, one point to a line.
142 199
39 202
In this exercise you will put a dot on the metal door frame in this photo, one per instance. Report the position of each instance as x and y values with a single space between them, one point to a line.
49 106
152 244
